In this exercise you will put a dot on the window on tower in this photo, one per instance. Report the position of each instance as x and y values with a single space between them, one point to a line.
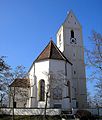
57 93
59 40
74 72
72 38
72 34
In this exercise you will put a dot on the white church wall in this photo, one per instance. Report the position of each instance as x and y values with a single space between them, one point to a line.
31 75
30 111
69 71
60 38
41 68
33 99
58 67
75 53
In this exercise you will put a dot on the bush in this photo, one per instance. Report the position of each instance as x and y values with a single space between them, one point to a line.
83 114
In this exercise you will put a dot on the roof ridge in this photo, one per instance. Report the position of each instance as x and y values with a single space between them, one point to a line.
61 53
42 51
50 49
20 82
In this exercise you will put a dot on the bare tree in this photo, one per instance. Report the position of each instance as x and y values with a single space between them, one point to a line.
54 86
17 91
90 100
49 87
18 75
19 72
94 62
5 78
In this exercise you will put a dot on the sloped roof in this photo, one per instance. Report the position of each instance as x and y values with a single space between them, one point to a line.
51 51
67 17
71 12
23 83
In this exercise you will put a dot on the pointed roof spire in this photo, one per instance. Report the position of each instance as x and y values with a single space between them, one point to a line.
51 51
72 14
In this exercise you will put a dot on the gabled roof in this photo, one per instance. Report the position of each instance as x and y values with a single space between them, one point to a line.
18 82
51 51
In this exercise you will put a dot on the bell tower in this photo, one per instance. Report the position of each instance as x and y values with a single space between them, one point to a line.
70 43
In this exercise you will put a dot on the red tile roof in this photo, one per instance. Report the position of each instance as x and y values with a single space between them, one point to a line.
23 83
51 51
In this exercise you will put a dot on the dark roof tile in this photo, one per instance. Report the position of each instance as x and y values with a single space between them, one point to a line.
51 51
23 83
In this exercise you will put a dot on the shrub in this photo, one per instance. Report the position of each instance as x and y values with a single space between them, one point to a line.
83 114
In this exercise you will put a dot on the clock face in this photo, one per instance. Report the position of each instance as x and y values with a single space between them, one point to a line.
73 40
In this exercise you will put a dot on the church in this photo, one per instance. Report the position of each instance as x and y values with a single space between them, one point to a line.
57 79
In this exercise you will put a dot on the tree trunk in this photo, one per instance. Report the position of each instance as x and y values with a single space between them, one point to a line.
45 105
13 109
13 104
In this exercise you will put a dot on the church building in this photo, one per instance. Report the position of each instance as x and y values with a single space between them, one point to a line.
57 77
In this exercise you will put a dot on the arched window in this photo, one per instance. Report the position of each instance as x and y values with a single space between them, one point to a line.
60 38
41 90
57 93
72 34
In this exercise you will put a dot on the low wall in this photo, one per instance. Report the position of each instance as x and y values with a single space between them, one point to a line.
29 111
38 111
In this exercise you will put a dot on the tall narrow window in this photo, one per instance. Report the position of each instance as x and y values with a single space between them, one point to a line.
72 34
41 90
60 38
57 93
14 104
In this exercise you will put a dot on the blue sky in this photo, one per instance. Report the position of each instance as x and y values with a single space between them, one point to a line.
26 26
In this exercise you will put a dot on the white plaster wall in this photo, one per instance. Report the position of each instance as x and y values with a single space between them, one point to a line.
33 87
60 44
31 75
50 66
75 53
41 68
30 111
58 67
